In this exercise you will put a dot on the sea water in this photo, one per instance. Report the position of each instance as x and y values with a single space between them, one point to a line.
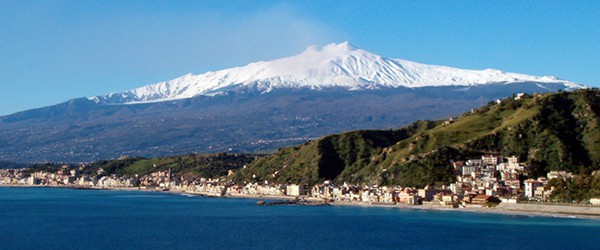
57 218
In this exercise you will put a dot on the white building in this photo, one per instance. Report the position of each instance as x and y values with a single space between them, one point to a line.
513 163
468 169
456 188
489 159
294 190
530 186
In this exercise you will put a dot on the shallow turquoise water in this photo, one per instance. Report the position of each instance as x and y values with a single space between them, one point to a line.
36 218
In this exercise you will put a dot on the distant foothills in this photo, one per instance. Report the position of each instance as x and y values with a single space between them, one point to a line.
543 147
259 107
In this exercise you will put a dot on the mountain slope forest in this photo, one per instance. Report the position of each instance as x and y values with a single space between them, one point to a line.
557 131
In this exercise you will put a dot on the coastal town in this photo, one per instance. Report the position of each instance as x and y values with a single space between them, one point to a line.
481 182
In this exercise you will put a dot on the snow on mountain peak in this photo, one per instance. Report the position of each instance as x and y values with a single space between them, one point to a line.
334 65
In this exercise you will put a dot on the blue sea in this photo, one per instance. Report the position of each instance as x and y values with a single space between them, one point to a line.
56 218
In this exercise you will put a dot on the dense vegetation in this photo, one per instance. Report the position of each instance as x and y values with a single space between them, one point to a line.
556 131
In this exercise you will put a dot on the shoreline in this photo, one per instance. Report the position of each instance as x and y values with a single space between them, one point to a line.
516 209
521 209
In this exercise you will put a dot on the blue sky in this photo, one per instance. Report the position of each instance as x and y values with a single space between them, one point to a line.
53 51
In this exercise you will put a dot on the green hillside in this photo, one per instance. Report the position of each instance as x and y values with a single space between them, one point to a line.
556 131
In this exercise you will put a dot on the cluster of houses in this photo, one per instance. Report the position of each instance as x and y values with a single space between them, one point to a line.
480 182
64 177
501 177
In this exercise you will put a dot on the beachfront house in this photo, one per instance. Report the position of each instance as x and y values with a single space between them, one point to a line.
483 199
295 190
530 187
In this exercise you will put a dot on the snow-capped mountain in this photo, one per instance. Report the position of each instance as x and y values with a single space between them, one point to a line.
339 66
258 107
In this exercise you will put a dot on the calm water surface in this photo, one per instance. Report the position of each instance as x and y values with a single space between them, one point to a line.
54 218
